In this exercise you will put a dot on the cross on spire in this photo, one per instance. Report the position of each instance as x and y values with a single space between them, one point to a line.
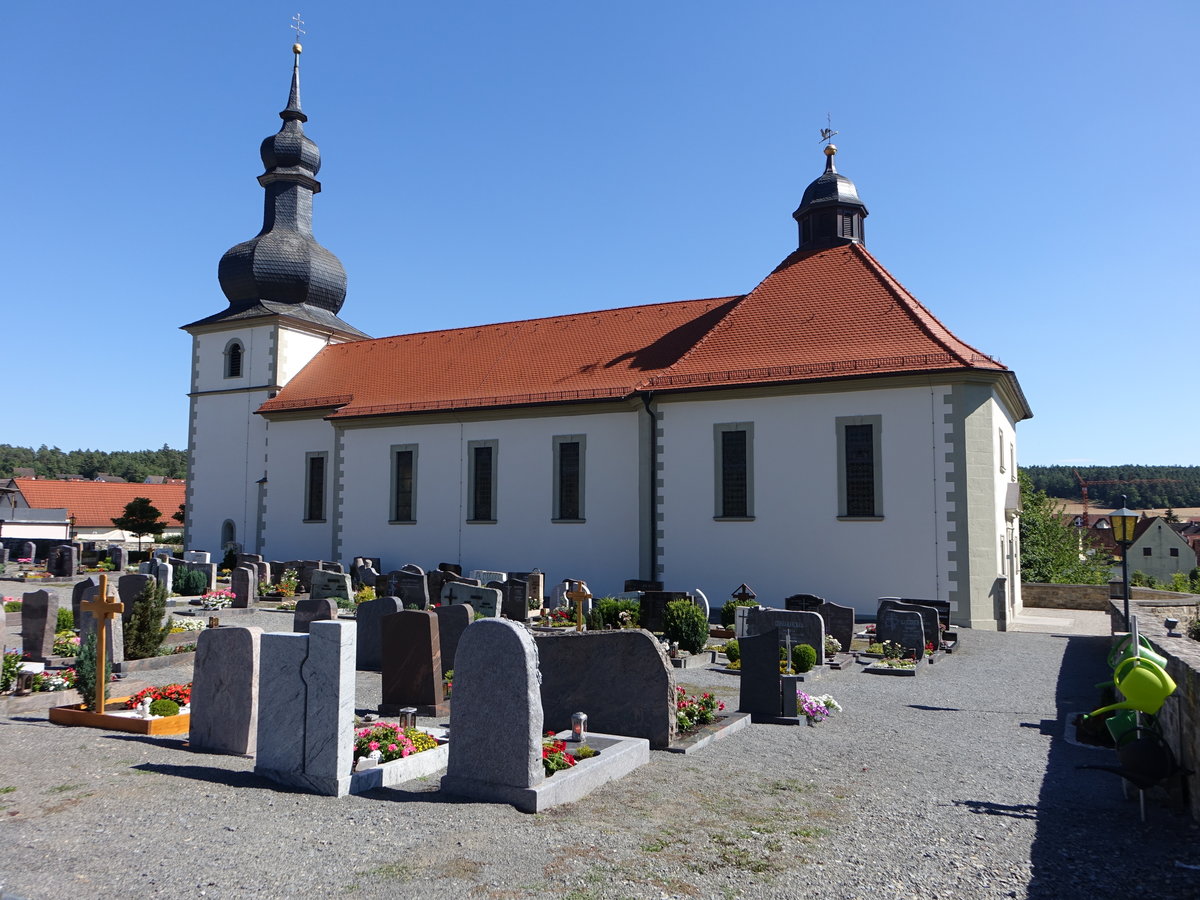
295 26
827 133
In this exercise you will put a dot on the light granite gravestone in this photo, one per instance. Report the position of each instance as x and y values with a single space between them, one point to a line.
795 627
198 556
485 601
839 623
496 669
412 663
452 621
129 588
224 701
163 571
904 626
114 638
483 576
537 587
243 581
39 615
330 584
369 650
310 610
77 595
306 708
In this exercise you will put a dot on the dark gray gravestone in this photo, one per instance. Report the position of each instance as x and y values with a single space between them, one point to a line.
949 634
654 606
902 626
795 626
63 561
452 568
128 589
412 663
119 557
309 611
77 595
27 550
409 586
225 691
39 615
759 692
248 559
839 622
304 573
452 622
639 584
803 602
515 605
929 618
485 601
369 650
243 581
367 576
621 679
115 635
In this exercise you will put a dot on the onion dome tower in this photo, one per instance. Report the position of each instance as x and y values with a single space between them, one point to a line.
830 213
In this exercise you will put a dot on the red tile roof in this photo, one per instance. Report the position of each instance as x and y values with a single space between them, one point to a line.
821 314
95 504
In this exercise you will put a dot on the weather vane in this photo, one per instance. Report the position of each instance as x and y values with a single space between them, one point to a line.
295 26
828 132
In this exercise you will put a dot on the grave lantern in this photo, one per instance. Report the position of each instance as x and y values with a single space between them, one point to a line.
1124 521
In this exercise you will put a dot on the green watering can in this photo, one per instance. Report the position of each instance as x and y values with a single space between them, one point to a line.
1143 683
1123 650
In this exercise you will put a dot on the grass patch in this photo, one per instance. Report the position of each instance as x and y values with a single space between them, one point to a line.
392 871
8 789
63 788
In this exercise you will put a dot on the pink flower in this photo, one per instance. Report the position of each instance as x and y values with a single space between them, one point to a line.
405 752
374 745
391 748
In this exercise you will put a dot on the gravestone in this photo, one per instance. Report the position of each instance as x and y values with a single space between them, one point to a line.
310 610
759 686
904 626
654 607
640 584
114 636
27 551
411 587
243 581
305 573
452 568
839 622
39 615
537 587
3 556
197 556
794 626
929 618
375 562
452 622
515 604
163 571
368 653
224 701
803 602
330 584
621 679
412 663
741 616
306 708
367 576
496 669
63 561
950 637
128 589
119 557
77 595
485 601
483 576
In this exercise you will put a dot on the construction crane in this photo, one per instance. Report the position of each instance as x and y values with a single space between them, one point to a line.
1083 486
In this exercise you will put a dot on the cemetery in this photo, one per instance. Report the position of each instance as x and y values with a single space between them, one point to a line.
338 685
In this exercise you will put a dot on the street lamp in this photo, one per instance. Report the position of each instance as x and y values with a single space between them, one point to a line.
1123 522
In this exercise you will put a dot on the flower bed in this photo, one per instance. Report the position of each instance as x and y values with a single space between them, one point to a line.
404 763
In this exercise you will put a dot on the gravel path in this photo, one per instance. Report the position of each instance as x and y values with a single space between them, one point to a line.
956 783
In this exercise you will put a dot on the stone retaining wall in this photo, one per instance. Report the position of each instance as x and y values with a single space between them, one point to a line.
1086 596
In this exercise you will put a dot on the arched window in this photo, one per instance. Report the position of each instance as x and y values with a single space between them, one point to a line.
228 533
233 359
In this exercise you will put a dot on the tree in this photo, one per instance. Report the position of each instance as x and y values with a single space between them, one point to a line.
140 519
145 632
1052 550
179 515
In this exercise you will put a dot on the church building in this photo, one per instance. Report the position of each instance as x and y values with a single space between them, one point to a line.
823 433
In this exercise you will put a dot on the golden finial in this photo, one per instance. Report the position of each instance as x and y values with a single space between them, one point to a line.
830 149
295 26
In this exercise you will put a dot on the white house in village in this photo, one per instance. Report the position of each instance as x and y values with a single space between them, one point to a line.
823 433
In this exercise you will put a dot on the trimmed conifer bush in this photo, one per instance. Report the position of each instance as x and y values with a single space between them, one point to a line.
684 622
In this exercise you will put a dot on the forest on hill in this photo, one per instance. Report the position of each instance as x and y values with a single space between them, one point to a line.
132 465
1147 487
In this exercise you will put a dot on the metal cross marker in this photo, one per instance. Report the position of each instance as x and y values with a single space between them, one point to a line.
295 26
577 593
103 608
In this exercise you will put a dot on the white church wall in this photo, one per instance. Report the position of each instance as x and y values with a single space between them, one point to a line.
209 350
287 533
796 542
295 350
602 549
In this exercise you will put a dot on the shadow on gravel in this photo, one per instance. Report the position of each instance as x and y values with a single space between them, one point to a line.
229 777
1089 840
1019 811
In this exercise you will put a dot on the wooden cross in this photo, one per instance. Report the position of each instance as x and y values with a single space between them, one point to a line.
103 608
577 593
743 592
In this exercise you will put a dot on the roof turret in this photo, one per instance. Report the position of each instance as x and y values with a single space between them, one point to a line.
830 212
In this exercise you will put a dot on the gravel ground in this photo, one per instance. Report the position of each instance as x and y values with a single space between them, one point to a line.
956 783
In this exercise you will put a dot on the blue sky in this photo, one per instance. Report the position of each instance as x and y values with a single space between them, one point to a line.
1029 169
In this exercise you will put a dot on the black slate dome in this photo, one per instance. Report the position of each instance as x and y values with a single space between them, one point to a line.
283 263
830 212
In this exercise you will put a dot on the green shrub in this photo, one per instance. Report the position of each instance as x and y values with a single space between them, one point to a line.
85 671
145 630
66 619
733 650
606 612
8 674
804 657
685 622
12 606
164 707
230 560
189 582
727 611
